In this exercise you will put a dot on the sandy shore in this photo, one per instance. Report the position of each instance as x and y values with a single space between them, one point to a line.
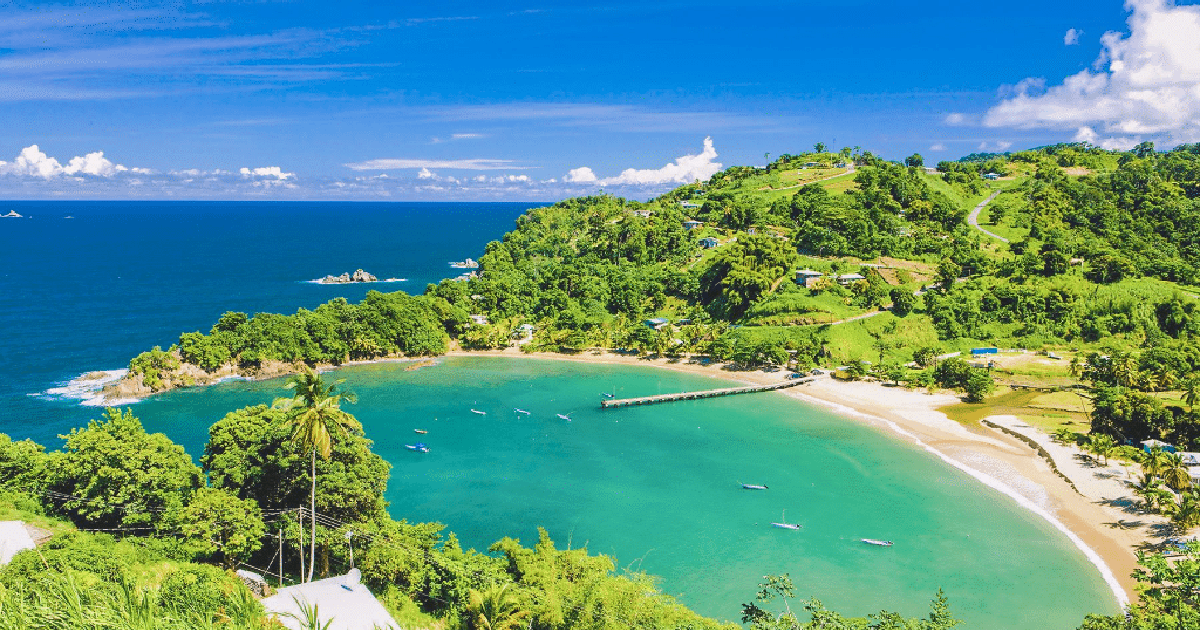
1097 514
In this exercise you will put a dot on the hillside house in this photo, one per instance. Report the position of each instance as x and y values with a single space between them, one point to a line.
645 214
849 278
689 205
692 225
657 323
807 277
709 242
991 176
342 602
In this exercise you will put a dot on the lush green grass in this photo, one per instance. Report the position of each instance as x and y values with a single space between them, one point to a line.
840 184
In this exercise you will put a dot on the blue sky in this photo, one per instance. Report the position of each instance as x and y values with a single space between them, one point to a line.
538 101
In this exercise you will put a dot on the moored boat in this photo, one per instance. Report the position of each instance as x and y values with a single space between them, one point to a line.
520 411
881 543
564 417
482 413
421 431
753 486
418 447
783 524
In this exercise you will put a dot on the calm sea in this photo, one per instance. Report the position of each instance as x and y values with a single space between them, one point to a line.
655 487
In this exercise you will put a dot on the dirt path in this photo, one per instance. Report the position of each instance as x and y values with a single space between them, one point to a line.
973 218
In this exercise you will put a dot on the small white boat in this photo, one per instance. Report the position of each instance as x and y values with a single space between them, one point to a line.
520 411
881 543
564 417
482 413
418 447
11 213
753 486
786 525
421 431
607 395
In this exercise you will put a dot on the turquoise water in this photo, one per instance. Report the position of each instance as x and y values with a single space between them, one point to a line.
657 488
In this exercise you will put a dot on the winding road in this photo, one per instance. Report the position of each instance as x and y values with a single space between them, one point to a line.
973 218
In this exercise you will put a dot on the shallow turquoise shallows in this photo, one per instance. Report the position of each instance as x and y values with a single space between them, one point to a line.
658 488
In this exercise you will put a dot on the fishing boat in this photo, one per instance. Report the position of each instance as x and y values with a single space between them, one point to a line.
564 417
786 525
753 486
520 411
482 413
421 431
607 395
418 447
881 543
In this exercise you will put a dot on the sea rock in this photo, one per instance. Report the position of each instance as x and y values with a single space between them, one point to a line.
346 278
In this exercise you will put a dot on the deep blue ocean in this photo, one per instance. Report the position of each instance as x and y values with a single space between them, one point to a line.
655 487
89 292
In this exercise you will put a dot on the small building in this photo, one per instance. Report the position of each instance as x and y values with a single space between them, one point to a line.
932 170
991 176
692 225
479 320
840 165
848 278
526 329
1189 459
689 205
645 214
807 277
811 164
656 323
14 538
342 602
709 242
751 231
984 350
1149 444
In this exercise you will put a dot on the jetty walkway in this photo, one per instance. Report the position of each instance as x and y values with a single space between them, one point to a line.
709 393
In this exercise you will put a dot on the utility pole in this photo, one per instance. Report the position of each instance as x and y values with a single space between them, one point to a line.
280 555
349 533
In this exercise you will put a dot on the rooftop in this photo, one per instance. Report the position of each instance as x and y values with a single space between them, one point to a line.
342 602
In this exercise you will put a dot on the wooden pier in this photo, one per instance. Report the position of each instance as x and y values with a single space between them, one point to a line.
708 393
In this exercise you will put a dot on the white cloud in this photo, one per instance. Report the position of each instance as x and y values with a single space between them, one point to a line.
32 162
581 175
998 147
395 164
684 170
266 171
425 174
1151 87
1071 37
938 147
466 136
954 118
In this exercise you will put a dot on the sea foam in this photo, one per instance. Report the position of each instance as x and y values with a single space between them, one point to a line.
86 389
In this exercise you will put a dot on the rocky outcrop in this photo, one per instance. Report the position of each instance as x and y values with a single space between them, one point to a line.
347 278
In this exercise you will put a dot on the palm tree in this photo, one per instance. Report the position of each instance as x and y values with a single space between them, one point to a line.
1151 491
1191 391
496 608
1187 515
1175 473
1103 445
1155 461
1064 436
315 416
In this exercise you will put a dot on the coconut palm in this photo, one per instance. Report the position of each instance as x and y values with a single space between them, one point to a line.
1152 493
1175 474
1191 391
1155 461
1103 446
1064 436
496 608
315 416
1187 515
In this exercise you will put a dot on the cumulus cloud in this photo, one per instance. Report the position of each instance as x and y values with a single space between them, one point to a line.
32 162
1150 89
1071 37
998 147
684 170
938 147
954 118
580 175
266 171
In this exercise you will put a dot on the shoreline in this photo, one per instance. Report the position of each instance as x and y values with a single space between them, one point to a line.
1088 504
1091 515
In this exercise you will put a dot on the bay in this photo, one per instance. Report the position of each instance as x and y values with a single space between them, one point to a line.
655 487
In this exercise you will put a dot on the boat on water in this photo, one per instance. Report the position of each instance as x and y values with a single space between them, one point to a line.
418 447
607 395
881 543
421 431
482 413
564 417
520 411
11 213
753 486
783 524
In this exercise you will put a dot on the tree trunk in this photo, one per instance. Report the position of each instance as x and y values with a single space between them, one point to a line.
300 514
312 553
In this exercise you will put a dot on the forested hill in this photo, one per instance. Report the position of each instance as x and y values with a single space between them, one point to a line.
1102 246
